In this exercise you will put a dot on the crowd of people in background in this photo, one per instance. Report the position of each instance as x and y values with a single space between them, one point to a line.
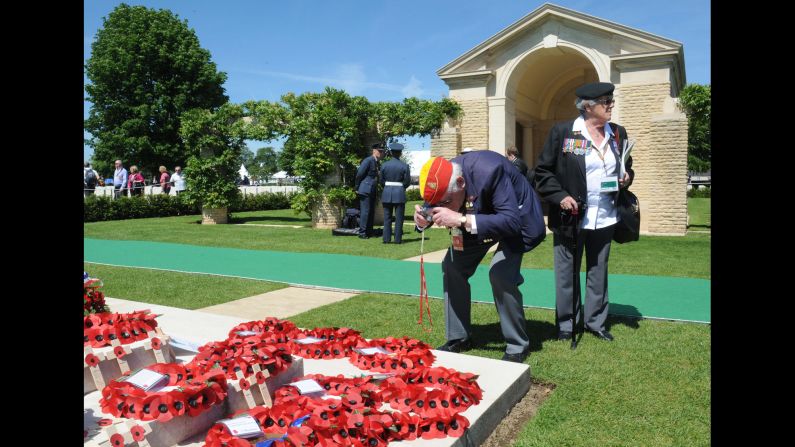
132 183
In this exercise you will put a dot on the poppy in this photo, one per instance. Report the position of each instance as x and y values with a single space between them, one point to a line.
92 360
244 385
104 422
119 352
458 425
138 433
155 343
261 378
117 440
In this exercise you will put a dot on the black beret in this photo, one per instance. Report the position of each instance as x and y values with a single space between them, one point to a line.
594 90
378 146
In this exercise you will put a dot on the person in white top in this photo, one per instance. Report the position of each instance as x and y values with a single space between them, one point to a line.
578 172
178 180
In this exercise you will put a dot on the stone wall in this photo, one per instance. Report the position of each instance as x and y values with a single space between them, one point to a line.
447 143
475 123
659 156
211 216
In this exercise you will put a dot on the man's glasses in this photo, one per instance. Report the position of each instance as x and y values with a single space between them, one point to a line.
606 102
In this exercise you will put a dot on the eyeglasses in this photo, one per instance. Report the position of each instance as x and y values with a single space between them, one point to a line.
606 102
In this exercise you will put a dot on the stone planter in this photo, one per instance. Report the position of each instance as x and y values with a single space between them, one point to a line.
214 216
326 215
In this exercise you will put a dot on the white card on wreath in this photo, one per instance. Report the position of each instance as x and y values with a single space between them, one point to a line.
146 379
307 340
243 427
246 333
308 386
372 351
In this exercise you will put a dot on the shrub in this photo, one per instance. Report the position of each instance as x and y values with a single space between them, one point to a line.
705 193
413 194
97 208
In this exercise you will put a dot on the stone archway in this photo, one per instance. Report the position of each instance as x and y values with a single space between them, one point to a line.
542 86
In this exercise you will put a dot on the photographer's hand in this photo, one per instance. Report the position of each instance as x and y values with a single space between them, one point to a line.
446 217
419 218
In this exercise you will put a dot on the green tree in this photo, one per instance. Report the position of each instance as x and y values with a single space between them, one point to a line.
695 100
329 133
264 163
146 68
214 141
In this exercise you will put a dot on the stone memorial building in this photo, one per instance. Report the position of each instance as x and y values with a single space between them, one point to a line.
514 86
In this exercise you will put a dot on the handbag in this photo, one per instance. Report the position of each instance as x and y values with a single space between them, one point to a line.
628 209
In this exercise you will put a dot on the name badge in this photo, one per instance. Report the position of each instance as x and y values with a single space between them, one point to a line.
609 184
458 239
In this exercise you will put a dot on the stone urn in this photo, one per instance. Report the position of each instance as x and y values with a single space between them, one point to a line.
211 216
326 215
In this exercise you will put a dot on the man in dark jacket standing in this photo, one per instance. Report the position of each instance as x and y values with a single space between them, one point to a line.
366 182
395 178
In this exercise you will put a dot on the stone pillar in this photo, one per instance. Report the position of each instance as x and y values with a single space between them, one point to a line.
667 210
502 128
474 123
528 151
659 156
447 143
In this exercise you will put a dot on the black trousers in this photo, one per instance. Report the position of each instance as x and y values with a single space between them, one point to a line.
399 210
366 216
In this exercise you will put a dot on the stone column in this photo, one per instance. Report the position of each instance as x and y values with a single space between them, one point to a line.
502 120
447 143
667 210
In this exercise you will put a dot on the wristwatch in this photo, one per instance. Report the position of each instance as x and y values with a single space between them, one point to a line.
463 221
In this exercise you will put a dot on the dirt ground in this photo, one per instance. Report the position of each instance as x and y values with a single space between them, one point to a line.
508 430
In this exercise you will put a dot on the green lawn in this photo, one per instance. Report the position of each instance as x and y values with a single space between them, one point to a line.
187 230
700 214
687 256
184 290
650 387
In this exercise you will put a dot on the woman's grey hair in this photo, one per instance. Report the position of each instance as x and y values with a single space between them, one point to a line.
581 103
453 185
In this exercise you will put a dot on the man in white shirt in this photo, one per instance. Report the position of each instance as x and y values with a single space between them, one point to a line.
178 180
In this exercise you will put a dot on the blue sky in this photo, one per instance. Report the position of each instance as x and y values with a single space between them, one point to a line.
384 50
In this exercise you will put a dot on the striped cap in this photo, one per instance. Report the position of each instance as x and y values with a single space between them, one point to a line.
435 176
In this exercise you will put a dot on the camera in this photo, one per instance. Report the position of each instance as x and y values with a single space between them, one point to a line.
426 212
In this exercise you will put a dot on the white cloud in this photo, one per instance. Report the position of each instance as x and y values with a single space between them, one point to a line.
349 77
413 88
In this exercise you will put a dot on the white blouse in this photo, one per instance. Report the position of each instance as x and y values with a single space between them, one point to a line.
601 210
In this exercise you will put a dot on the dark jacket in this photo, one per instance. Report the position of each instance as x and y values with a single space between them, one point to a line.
395 170
506 207
559 174
366 177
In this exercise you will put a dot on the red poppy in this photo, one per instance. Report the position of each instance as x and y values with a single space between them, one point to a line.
458 425
261 378
92 360
244 385
138 433
119 352
117 440
104 422
155 343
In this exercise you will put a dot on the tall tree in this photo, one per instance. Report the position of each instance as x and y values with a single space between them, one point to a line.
146 68
696 101
264 163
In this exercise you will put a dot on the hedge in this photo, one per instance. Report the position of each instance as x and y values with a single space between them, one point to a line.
704 193
102 208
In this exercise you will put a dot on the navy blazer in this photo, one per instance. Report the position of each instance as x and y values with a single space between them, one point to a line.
395 170
367 176
506 207
559 174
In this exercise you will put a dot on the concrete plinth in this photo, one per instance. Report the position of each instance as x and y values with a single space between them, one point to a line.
503 383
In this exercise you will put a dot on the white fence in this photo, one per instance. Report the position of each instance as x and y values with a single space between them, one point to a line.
245 190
